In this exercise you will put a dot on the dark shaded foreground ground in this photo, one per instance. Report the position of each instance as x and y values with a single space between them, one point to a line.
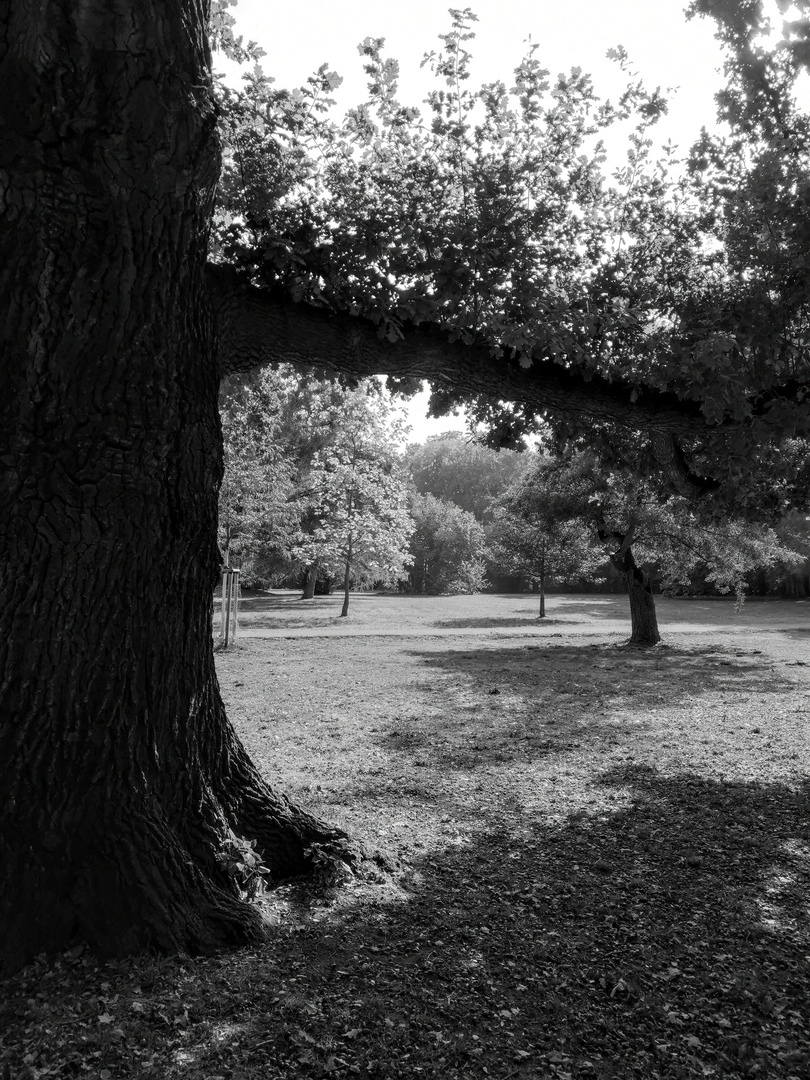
603 871
668 939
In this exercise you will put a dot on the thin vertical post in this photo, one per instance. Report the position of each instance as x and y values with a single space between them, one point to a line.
222 606
235 603
226 600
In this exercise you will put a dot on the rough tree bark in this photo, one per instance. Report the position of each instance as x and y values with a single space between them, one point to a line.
260 326
120 776
643 619
263 326
310 581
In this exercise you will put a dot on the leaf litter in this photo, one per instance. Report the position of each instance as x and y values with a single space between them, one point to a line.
601 870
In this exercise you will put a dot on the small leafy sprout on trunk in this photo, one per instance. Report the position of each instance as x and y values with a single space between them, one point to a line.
242 862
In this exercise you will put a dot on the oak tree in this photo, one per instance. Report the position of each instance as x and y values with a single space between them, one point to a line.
121 779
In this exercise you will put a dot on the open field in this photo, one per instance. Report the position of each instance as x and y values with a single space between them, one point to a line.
602 855
281 611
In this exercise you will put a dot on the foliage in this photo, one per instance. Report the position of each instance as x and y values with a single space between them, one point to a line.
223 39
310 464
495 214
259 502
544 552
332 862
461 470
623 512
789 578
448 548
359 518
243 864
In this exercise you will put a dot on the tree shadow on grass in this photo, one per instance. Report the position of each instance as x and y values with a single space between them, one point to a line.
493 706
496 623
613 606
290 612
669 939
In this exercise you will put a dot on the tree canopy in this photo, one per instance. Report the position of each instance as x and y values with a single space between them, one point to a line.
298 451
359 523
496 251
448 548
455 467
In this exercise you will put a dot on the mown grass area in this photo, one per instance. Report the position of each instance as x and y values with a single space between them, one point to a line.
601 859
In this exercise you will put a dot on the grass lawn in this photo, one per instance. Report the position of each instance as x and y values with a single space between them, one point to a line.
602 855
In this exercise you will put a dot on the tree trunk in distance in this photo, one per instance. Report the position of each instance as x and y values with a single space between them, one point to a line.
121 779
643 618
346 580
309 582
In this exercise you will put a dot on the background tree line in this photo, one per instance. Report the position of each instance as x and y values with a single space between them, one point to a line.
318 491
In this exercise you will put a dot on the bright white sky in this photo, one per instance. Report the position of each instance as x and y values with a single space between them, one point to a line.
664 49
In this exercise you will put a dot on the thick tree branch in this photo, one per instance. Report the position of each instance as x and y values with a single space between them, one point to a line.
257 327
264 326
670 457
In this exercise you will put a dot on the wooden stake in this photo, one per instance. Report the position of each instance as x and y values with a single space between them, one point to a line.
222 607
235 604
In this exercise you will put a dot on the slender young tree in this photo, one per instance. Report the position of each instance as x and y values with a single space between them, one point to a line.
359 495
542 550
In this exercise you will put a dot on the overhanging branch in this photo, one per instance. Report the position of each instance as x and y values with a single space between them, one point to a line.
671 458
257 327
264 326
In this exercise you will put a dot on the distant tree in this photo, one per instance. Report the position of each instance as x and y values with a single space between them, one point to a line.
791 578
289 440
639 528
448 548
360 525
258 508
543 551
454 467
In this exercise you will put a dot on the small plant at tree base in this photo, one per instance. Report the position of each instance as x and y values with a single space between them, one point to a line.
332 862
242 863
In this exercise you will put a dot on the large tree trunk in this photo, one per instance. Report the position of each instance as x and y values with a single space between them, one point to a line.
643 619
120 777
